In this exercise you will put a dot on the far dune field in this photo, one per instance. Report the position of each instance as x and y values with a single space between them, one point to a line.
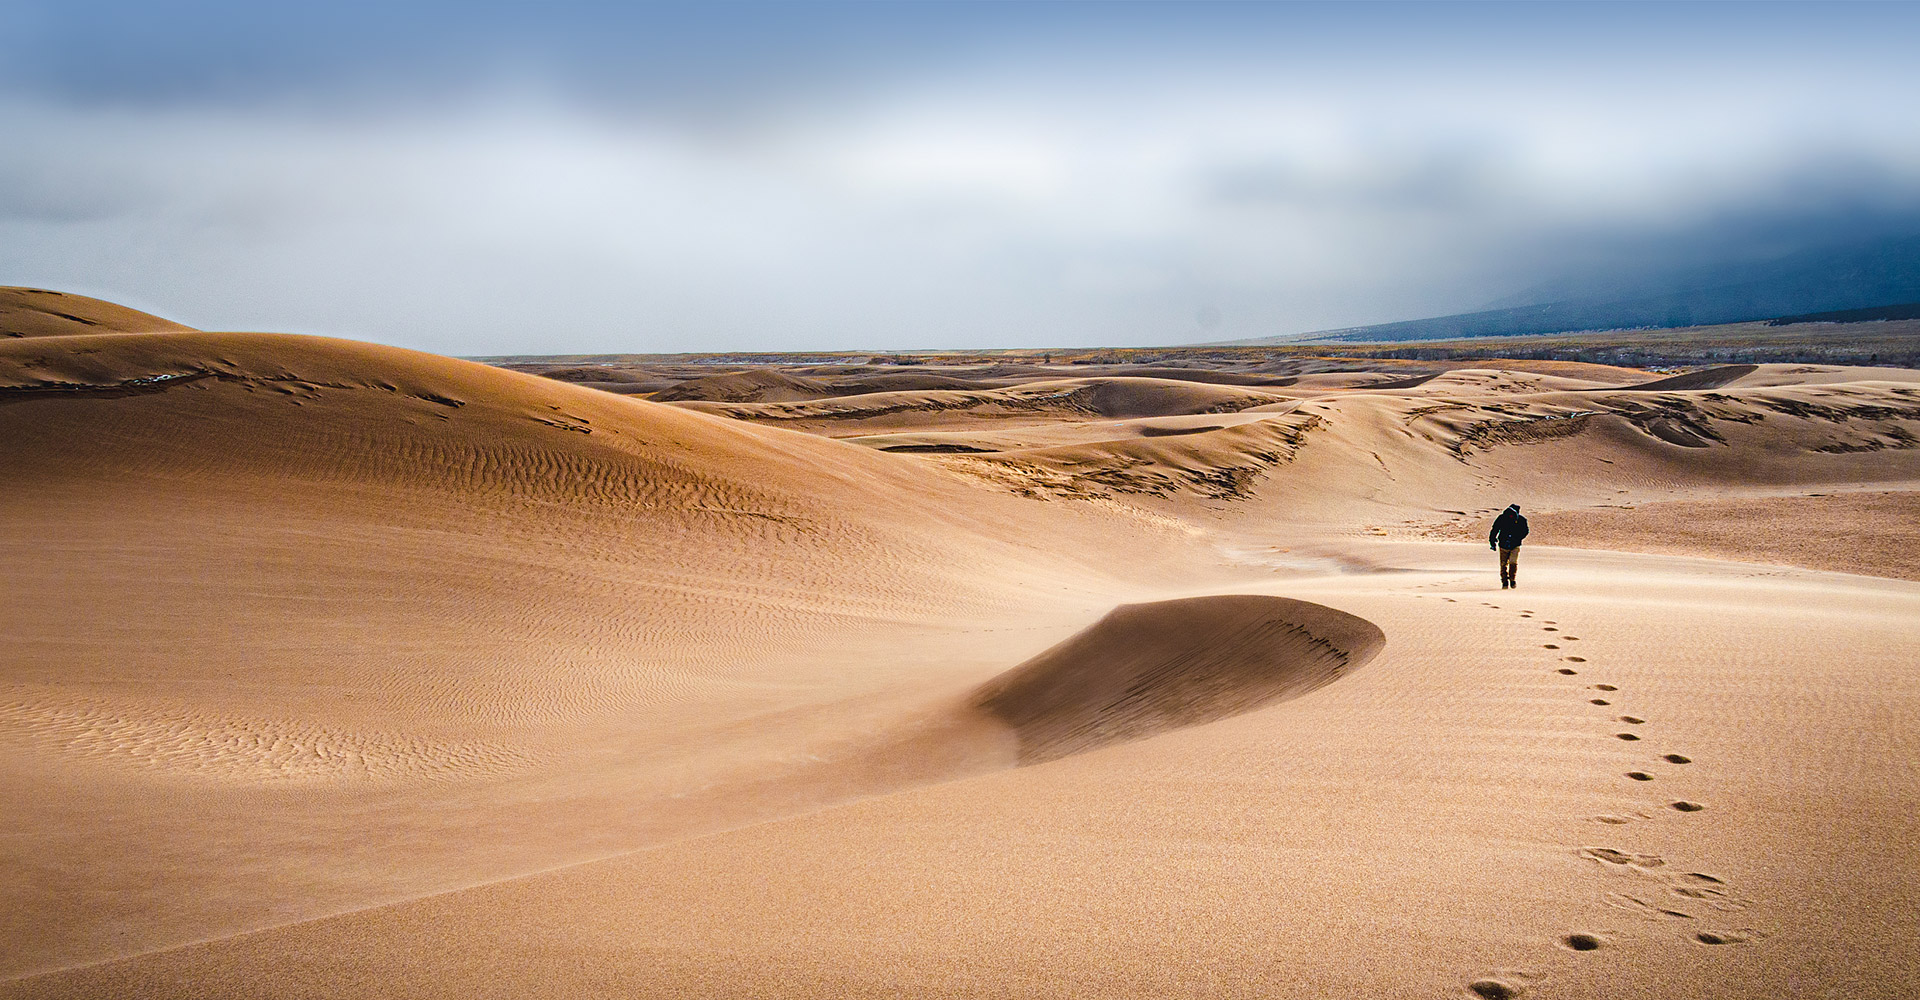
341 670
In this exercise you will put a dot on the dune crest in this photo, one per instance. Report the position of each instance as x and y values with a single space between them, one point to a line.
38 312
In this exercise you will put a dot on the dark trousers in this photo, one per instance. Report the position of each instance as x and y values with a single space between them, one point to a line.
1509 565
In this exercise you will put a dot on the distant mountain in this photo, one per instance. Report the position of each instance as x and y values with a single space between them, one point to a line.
1899 310
1830 279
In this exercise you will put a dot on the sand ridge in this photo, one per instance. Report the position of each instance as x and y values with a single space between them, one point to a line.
39 312
1454 438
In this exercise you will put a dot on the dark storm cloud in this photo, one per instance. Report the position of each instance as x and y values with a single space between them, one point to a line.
491 178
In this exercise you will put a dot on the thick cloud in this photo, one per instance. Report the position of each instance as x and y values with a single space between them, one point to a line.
820 178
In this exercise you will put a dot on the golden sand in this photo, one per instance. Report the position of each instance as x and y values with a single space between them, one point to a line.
342 670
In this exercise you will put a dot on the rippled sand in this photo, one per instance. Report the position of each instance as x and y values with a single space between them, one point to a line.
341 670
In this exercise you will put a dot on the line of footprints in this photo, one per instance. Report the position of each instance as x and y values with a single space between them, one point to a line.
1657 893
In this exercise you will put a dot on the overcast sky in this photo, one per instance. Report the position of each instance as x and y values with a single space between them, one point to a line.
477 179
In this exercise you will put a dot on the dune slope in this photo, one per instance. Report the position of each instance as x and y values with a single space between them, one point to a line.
38 312
499 620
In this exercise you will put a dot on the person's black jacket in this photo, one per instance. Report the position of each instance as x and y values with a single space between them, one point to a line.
1508 529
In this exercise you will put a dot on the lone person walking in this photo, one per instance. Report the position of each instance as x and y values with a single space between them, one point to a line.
1508 531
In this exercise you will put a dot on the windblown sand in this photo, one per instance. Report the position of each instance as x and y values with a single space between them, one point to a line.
340 670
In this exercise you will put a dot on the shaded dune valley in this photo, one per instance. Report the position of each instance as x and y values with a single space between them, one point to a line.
340 670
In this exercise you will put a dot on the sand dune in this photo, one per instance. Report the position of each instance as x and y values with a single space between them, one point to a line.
696 379
246 561
1029 402
757 386
1782 374
38 312
1442 434
1145 669
766 386
341 670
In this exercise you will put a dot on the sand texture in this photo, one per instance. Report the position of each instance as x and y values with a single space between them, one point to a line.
341 670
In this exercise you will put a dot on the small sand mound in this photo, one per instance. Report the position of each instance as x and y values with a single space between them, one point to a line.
908 382
590 375
1159 397
1406 383
1711 378
760 385
1148 668
1204 375
946 409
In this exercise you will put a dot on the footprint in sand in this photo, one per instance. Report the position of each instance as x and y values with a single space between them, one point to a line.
1645 908
1608 855
1693 889
1549 646
1698 887
1493 989
1621 819
1710 891
1716 898
1582 942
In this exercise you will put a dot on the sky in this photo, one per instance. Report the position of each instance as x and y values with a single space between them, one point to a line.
485 179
